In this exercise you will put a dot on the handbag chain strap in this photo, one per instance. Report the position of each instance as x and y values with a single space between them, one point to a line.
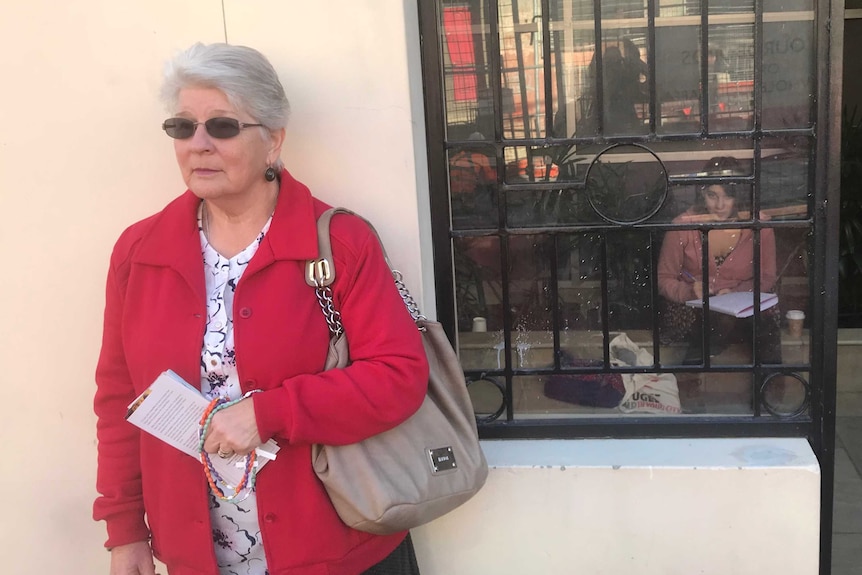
411 304
332 315
320 274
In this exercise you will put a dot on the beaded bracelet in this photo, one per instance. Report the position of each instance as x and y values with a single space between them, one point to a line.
246 484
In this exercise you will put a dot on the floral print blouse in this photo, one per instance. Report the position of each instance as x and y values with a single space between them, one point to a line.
236 531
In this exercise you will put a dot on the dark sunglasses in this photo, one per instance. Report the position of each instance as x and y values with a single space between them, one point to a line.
221 128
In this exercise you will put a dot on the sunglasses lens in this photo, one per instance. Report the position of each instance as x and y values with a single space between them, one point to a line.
179 128
222 127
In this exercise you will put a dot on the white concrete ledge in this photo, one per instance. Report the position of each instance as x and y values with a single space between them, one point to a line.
642 506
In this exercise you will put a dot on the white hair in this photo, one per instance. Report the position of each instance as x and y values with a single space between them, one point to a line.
243 74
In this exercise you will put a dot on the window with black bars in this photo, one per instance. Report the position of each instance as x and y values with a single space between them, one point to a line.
627 207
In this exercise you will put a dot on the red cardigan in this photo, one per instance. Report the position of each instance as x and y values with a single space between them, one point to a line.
154 320
682 250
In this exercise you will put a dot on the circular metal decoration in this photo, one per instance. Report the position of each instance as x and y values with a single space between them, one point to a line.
482 391
785 394
626 184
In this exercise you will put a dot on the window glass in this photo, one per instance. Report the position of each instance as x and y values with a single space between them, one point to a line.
677 70
590 245
522 68
786 177
629 273
788 71
730 77
469 103
472 187
573 42
478 293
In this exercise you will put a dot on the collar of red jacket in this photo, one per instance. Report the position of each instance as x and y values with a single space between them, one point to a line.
172 240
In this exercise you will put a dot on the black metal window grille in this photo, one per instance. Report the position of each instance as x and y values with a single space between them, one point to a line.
555 184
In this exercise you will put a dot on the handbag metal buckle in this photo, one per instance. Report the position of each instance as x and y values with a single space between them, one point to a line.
319 273
442 459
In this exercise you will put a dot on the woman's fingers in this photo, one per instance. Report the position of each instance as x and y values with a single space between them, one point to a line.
133 559
233 430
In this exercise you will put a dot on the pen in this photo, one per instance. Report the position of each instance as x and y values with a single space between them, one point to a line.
688 275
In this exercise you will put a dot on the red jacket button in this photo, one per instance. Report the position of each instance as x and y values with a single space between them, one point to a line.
269 517
245 312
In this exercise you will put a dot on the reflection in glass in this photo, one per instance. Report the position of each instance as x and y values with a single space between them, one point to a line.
573 45
626 184
716 393
625 92
788 74
488 397
579 291
464 41
472 187
548 208
522 73
730 77
784 394
478 283
630 282
678 79
785 178
536 164
686 158
530 260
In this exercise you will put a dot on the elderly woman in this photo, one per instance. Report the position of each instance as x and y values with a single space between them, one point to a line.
212 287
730 263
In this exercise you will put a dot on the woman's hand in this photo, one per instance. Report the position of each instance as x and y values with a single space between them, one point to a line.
233 430
133 559
698 289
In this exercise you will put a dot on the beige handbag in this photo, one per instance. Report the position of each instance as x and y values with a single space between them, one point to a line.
424 467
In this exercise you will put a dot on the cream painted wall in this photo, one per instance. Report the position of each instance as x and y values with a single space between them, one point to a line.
82 156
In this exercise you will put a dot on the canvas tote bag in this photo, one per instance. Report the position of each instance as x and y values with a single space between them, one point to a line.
421 469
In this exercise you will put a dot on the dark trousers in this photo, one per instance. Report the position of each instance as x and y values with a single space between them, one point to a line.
727 330
402 561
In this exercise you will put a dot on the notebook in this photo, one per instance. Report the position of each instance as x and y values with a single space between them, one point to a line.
737 304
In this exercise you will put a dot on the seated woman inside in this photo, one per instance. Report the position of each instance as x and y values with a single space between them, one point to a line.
730 268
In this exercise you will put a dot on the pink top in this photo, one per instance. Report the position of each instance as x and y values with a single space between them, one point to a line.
681 254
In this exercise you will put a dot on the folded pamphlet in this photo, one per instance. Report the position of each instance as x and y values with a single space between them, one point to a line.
737 304
171 410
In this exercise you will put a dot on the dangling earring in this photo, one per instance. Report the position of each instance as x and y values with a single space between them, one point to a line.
269 174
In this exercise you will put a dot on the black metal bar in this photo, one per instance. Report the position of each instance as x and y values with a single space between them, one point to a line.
656 336
495 71
599 75
606 353
705 323
634 427
754 202
652 7
546 67
704 67
829 34
758 67
522 79
653 138
435 101
554 295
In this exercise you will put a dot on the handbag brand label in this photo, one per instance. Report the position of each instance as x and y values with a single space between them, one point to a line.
442 459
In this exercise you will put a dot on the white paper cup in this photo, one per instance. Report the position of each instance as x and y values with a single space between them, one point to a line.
795 318
480 324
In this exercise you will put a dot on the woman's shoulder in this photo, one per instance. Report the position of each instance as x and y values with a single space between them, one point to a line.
129 240
348 230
